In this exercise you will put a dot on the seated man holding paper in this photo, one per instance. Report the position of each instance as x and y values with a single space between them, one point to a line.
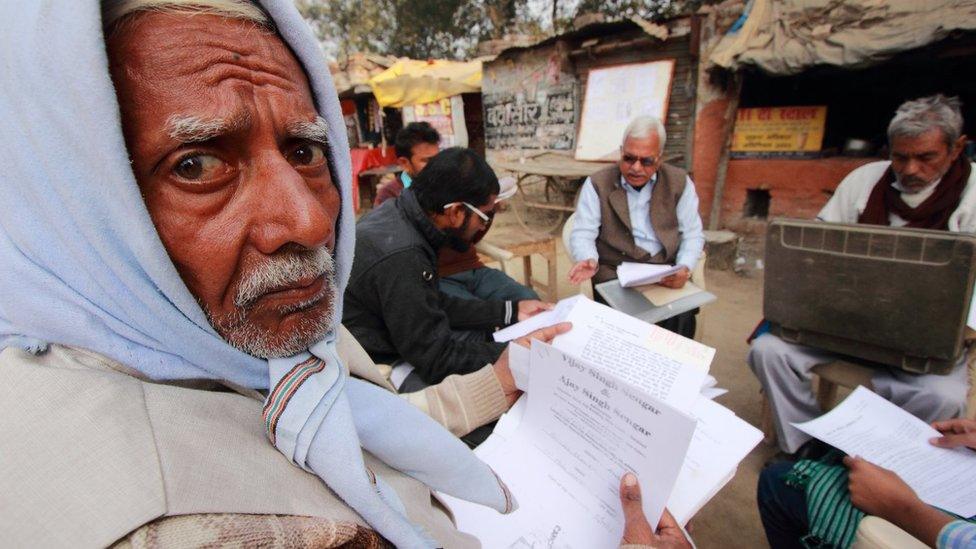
639 211
927 184
463 274
393 305
144 357
822 503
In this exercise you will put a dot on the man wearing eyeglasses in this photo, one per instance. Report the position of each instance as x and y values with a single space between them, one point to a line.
640 210
393 305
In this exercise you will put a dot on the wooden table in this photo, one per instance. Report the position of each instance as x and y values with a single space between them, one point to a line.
520 243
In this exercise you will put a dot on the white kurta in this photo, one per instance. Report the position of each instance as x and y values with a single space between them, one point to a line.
851 197
783 368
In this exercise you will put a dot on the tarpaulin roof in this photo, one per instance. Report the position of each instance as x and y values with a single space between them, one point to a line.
788 36
411 82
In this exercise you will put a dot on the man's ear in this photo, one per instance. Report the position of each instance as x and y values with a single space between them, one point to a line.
958 147
455 215
404 163
452 217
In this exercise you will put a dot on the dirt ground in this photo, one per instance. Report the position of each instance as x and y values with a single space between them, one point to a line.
731 519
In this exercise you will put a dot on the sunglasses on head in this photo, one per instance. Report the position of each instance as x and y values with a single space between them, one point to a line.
646 161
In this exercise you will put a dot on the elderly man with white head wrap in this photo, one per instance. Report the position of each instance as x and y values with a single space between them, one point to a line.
164 312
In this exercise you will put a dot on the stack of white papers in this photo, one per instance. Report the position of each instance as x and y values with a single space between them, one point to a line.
722 440
615 394
869 426
581 430
638 274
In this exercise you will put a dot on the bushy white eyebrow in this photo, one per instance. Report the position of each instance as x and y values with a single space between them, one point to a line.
317 130
197 129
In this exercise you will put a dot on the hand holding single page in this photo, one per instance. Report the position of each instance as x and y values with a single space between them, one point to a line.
638 274
869 426
542 320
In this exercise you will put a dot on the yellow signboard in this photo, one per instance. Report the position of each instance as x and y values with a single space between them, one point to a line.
779 130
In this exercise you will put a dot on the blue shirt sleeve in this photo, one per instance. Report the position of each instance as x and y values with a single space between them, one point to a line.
958 534
586 224
690 227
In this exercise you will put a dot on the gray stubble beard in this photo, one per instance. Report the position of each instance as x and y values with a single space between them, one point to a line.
284 268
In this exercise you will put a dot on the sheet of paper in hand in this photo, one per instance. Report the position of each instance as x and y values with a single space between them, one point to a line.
537 322
661 363
869 426
638 274
582 429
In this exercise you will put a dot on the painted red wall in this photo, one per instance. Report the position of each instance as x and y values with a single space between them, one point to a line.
709 132
797 188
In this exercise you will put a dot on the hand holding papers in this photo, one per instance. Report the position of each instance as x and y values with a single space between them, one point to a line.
869 426
612 395
581 431
638 274
542 320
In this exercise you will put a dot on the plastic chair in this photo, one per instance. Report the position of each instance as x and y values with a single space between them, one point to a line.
877 533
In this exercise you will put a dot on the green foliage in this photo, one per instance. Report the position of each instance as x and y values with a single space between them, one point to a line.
418 29
452 29
347 26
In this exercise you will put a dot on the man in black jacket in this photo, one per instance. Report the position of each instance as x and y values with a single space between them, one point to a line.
392 304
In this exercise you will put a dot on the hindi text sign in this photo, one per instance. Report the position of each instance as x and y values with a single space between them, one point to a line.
779 130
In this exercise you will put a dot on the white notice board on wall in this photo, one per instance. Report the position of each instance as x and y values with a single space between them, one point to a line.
614 96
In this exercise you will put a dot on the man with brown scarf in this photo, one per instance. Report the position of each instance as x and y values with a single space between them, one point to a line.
927 184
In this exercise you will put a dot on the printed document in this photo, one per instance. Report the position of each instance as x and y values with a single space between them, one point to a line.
581 430
638 274
663 364
869 426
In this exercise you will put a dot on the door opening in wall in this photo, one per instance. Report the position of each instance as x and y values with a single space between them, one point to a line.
757 203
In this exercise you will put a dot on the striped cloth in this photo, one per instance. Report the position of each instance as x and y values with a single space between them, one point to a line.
958 534
833 518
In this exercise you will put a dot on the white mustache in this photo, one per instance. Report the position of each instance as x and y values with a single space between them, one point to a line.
284 270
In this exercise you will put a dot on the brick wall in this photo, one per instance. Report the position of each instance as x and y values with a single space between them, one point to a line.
797 188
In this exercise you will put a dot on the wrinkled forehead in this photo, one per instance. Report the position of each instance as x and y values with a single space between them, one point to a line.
187 57
642 146
929 142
